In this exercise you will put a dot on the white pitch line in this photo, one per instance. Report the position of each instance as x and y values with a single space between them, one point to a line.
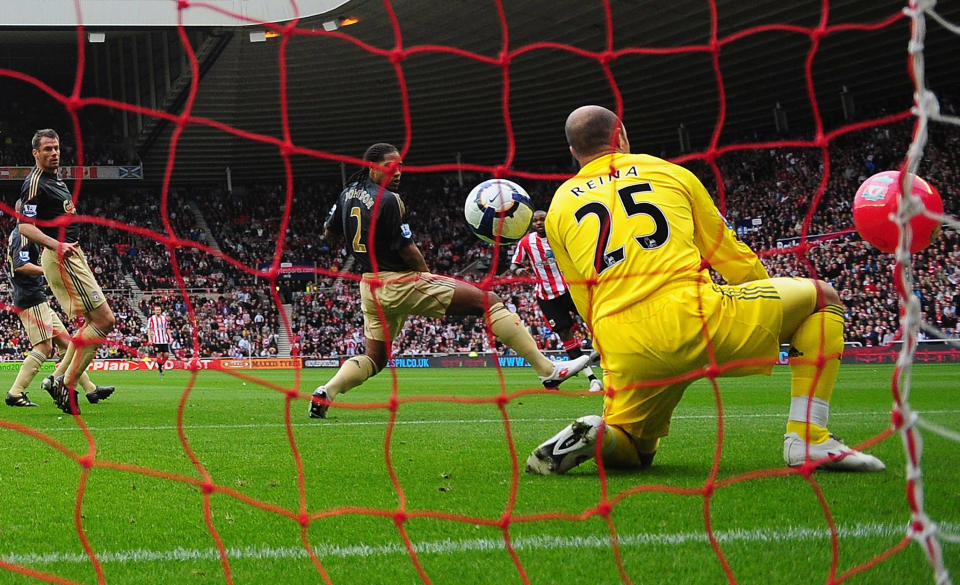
450 546
348 423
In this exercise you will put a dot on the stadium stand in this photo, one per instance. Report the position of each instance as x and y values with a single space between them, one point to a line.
765 191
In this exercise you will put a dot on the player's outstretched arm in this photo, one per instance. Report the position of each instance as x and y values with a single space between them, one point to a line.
33 233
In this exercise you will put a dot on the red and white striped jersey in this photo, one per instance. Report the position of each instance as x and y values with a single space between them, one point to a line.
157 329
536 250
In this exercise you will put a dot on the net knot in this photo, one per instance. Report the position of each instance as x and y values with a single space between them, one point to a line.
72 103
502 401
207 487
708 489
606 58
920 6
801 249
604 509
286 149
926 103
397 56
896 418
399 518
86 461
303 519
921 527
807 469
183 4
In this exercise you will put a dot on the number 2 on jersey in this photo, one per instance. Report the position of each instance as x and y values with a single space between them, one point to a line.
357 246
603 257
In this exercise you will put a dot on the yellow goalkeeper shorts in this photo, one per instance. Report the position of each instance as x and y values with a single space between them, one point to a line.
653 351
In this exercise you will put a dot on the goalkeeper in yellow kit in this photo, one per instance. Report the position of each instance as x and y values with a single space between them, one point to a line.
634 236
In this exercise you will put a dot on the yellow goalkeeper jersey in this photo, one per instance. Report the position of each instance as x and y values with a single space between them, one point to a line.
629 226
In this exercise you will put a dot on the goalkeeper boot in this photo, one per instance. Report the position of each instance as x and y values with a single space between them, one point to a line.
567 449
564 370
319 403
832 452
62 396
99 393
21 400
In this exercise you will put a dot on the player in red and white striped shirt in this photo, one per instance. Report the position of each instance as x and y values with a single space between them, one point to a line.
159 336
551 290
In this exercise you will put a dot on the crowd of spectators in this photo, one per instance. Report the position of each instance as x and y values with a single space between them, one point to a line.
137 246
862 275
124 341
231 325
768 195
221 240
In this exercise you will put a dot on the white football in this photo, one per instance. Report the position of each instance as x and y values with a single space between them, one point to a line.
498 211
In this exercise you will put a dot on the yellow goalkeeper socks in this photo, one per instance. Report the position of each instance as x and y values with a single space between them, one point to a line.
816 349
509 329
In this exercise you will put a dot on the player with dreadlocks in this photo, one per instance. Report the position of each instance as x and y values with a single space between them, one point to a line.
396 282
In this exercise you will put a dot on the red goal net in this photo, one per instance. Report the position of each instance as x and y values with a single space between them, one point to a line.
735 93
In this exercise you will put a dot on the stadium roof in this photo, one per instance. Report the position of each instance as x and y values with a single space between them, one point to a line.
343 91
127 13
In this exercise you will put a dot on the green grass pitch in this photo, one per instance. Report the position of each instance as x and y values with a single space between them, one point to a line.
441 481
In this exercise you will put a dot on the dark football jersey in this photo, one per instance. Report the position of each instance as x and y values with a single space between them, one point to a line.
352 216
28 290
46 197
